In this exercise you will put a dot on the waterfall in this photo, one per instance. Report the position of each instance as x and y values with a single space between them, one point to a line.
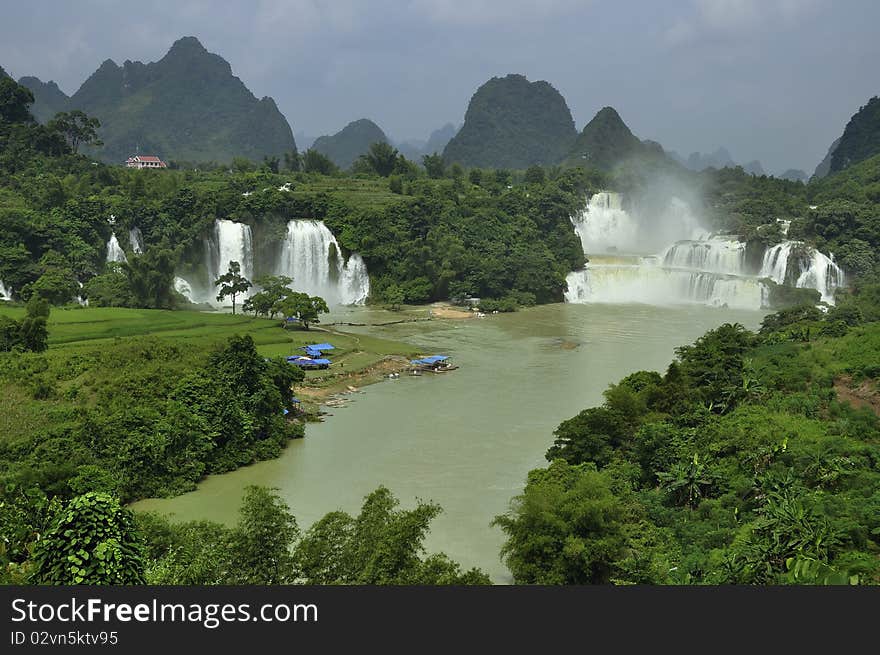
604 226
115 253
775 263
715 255
819 272
136 240
657 284
696 268
815 270
231 242
184 288
5 292
311 255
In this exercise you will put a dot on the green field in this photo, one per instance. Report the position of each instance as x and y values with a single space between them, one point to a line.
87 327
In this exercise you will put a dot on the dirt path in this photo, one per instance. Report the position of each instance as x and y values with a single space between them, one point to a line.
865 395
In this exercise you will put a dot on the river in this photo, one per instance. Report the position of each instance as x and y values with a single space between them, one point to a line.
465 439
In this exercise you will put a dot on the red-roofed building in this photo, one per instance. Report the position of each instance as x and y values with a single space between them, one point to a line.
145 161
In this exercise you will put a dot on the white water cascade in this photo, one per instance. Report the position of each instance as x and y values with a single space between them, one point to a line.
227 242
231 242
136 240
115 253
697 268
5 293
311 255
815 270
183 287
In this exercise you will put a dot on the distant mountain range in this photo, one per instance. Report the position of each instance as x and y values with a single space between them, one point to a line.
720 158
186 106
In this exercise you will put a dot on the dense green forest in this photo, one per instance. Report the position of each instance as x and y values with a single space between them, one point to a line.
741 464
755 459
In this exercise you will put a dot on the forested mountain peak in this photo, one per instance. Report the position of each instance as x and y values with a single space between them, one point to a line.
349 143
605 141
861 138
186 106
513 123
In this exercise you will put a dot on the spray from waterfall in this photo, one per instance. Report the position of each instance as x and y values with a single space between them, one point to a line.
5 292
115 253
697 268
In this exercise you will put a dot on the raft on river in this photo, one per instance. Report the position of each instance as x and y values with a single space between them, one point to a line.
432 364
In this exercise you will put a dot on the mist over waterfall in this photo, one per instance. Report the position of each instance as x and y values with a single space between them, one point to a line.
115 253
690 267
604 226
311 255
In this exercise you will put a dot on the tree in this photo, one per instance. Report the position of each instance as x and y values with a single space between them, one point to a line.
567 527
34 334
15 100
92 541
151 278
381 546
434 165
535 175
77 128
304 307
382 158
293 160
394 296
316 162
259 546
271 163
232 283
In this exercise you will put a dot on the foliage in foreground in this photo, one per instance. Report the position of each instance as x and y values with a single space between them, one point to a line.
382 545
739 465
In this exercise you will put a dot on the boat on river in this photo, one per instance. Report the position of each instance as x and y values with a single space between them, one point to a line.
432 364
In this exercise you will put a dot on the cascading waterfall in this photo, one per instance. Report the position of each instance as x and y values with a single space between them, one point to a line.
311 255
183 287
115 253
716 255
136 240
233 243
5 293
815 270
604 226
775 263
227 242
697 268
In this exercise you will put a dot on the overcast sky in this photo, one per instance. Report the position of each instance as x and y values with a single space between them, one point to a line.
773 80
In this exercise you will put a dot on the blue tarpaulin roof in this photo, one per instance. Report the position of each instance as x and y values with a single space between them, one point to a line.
320 361
318 346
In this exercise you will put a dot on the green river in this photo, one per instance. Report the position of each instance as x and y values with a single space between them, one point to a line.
465 439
